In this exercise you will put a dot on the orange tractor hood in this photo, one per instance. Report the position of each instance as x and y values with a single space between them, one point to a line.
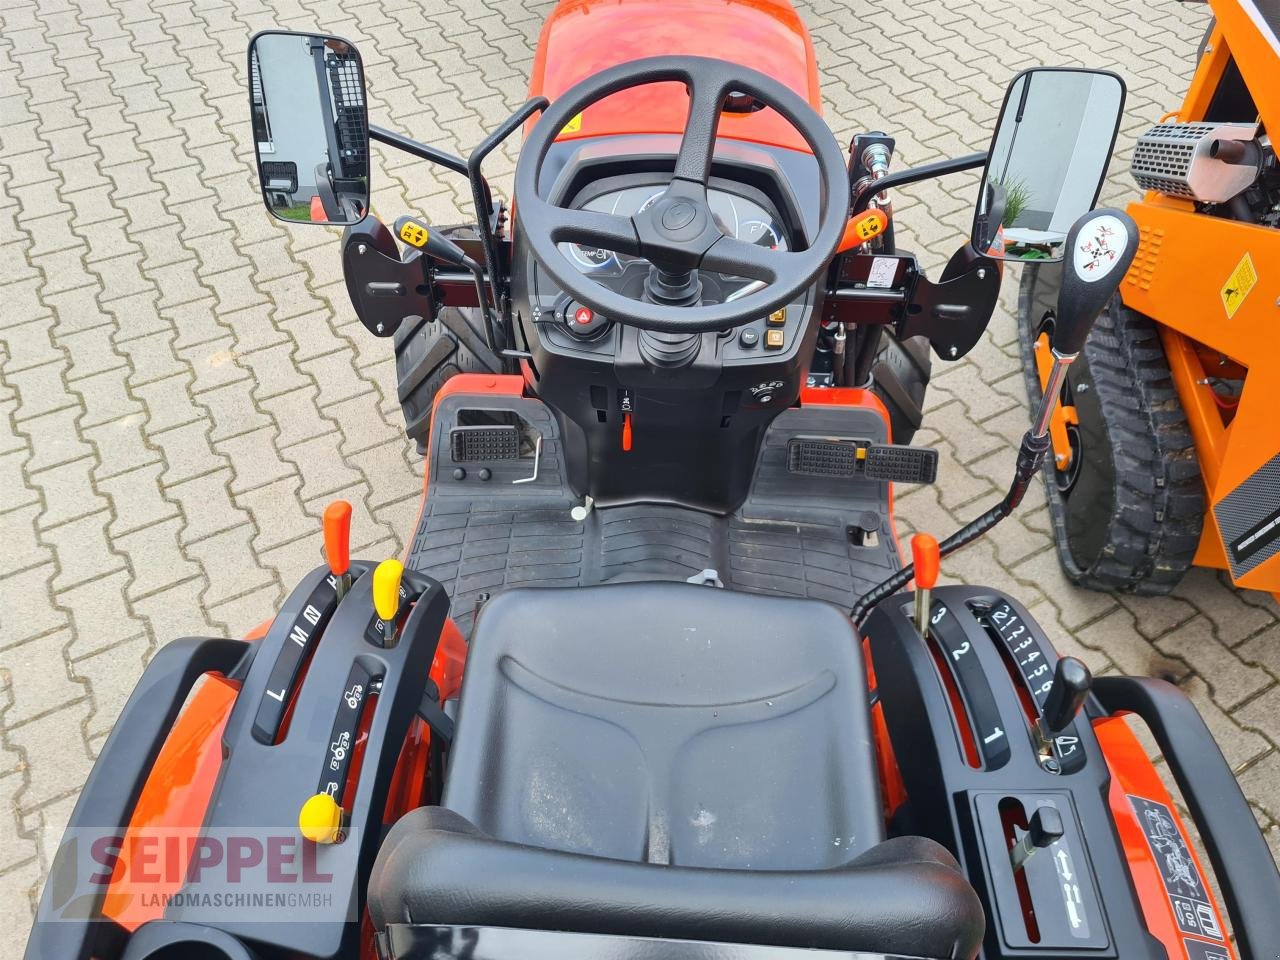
583 37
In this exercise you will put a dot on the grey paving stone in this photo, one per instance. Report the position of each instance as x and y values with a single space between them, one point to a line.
183 385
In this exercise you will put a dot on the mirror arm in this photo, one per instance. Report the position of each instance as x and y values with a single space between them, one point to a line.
483 200
420 150
925 171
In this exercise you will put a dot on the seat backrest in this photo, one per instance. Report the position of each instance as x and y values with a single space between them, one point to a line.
905 896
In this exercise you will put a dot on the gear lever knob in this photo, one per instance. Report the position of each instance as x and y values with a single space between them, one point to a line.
1071 684
337 544
1100 247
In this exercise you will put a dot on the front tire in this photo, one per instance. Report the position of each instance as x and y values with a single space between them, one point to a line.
900 377
1128 512
429 352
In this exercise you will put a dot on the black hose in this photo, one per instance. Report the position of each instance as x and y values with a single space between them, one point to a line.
1031 455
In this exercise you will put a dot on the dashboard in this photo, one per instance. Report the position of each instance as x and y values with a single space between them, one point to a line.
735 214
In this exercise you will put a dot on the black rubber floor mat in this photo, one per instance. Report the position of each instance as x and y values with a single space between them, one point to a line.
826 538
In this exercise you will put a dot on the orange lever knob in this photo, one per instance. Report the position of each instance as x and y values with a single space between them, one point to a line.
337 537
865 226
927 559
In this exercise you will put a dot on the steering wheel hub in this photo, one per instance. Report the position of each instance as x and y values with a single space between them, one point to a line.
679 213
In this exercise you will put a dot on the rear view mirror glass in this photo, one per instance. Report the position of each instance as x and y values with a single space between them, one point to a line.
310 127
1047 161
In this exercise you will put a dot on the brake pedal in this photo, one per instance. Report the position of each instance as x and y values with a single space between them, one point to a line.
484 442
899 463
822 457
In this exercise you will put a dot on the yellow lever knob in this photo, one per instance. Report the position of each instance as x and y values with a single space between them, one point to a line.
386 589
320 819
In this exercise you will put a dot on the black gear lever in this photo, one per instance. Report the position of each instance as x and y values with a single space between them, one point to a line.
1100 246
1071 684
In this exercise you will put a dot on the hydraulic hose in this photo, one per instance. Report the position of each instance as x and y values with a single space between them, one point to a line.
1031 454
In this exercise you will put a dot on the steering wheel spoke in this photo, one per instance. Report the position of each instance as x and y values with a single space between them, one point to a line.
739 258
592 228
706 98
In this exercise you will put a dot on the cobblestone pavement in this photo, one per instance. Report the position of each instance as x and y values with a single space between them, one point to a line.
183 384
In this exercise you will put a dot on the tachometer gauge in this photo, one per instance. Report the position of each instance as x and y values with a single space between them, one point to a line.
761 233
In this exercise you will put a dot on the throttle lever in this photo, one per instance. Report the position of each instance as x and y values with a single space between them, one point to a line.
1071 683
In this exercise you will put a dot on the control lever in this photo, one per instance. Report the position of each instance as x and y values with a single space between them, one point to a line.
1100 246
418 234
1044 827
337 545
1070 685
926 561
386 597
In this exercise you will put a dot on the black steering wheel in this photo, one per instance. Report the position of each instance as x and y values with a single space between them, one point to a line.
677 233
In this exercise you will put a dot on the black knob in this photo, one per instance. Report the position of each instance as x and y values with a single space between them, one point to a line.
1071 683
1045 826
1100 246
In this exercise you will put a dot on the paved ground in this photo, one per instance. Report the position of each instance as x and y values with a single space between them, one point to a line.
183 384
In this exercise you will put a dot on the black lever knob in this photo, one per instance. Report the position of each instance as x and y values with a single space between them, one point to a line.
1044 827
1071 683
1100 246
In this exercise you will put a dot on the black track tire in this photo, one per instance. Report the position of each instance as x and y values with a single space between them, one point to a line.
900 377
1138 509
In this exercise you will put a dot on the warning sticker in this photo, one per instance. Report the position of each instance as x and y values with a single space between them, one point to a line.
1242 280
883 270
1182 880
574 125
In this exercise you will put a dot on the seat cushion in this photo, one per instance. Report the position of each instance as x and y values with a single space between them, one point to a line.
905 896
667 723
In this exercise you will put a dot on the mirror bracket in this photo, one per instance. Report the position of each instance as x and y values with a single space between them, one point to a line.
953 313
384 290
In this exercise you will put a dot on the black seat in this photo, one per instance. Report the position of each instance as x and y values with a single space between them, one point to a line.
671 760
668 723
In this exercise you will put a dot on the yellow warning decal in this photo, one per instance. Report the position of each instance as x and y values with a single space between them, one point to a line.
868 228
414 234
573 126
1243 279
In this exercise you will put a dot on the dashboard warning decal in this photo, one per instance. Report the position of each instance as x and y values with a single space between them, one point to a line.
1182 880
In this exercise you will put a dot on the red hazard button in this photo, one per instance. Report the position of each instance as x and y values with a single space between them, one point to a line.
583 323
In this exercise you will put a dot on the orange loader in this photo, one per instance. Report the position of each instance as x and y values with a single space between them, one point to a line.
1166 447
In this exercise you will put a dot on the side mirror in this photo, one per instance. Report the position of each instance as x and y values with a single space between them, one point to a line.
1047 160
310 127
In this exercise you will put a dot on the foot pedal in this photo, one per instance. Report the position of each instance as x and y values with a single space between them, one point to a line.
900 464
488 442
822 457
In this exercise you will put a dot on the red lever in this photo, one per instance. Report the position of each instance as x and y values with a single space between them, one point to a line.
926 559
337 544
337 537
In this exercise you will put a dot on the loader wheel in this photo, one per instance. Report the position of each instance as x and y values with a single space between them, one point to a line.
899 377
429 352
1128 510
